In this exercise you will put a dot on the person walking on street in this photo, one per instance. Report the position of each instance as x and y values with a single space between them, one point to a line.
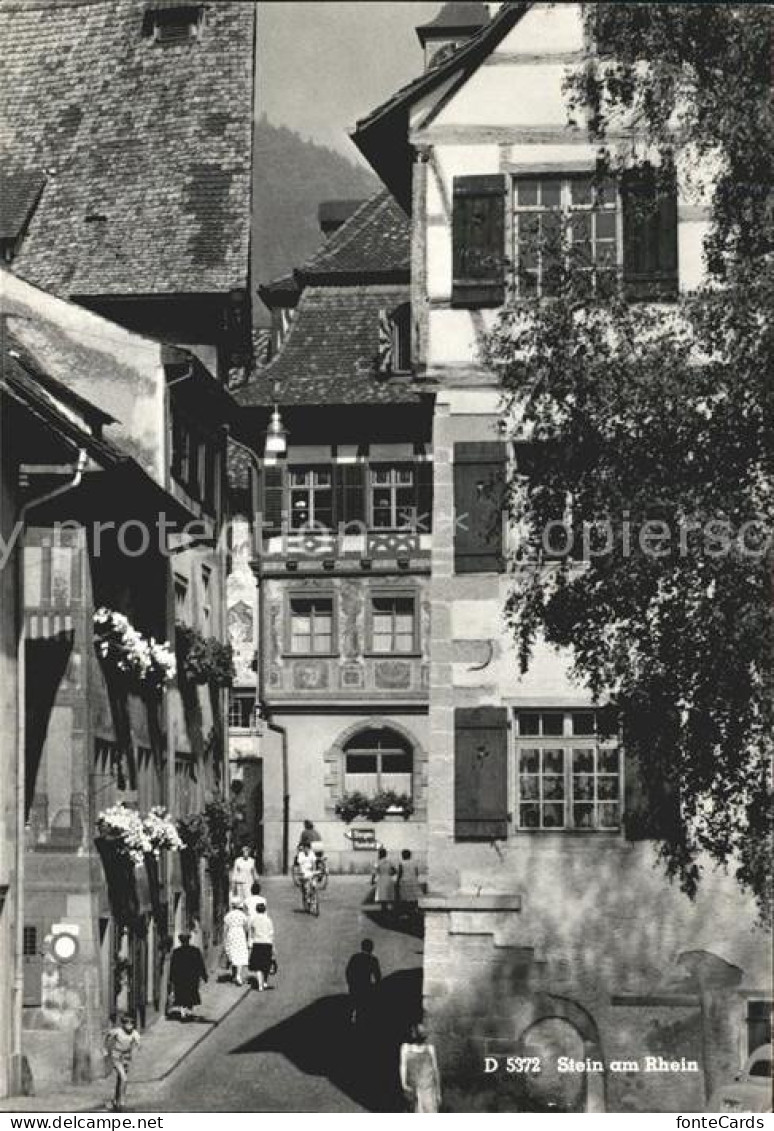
419 1075
235 939
120 1043
261 935
363 975
384 880
408 891
186 971
243 874
253 901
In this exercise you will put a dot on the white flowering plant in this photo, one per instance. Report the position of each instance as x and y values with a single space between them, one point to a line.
144 660
138 836
126 827
161 830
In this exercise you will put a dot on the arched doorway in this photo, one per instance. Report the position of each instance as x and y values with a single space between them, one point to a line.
563 1028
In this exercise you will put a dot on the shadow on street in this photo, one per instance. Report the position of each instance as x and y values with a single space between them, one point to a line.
412 925
362 1060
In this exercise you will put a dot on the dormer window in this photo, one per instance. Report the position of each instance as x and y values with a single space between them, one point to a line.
395 340
169 22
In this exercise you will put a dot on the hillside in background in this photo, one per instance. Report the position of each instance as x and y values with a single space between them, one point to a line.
291 178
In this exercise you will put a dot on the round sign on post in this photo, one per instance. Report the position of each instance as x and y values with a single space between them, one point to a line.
64 947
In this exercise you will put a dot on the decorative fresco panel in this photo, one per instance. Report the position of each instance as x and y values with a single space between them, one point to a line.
392 675
310 675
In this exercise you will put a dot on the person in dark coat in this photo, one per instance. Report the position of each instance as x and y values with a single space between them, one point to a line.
363 975
186 971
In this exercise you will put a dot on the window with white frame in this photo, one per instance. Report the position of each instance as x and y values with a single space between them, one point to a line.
563 220
393 624
378 761
311 497
311 625
241 708
393 497
567 775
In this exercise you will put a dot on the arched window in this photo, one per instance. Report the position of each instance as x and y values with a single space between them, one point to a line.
376 761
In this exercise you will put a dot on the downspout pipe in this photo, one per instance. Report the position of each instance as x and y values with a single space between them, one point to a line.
265 711
21 742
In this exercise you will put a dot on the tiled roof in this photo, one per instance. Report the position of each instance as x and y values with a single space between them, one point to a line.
375 241
329 356
146 146
19 194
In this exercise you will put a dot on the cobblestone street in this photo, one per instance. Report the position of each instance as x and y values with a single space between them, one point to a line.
291 1048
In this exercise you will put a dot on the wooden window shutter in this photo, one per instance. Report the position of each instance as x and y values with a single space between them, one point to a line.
480 773
650 268
479 489
424 480
273 499
350 493
478 241
644 817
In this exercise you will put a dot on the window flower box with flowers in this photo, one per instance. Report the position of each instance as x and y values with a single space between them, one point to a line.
125 841
144 662
203 660
386 803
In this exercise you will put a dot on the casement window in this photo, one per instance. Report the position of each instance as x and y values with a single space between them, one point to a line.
480 773
241 708
478 241
565 777
393 624
378 761
393 496
607 234
311 497
758 1023
479 484
563 222
311 625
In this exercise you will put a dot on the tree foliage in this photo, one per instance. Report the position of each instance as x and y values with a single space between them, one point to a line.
646 415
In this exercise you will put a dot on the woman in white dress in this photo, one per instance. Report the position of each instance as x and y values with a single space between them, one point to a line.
419 1075
235 939
243 874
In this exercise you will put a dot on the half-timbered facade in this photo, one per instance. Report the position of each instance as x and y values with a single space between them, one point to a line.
344 553
549 931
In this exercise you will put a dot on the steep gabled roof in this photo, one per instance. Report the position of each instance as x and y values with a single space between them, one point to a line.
330 354
382 136
373 243
146 145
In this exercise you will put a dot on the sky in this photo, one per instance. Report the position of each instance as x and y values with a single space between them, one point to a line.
322 64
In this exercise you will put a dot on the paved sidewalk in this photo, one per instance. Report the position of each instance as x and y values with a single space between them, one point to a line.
163 1047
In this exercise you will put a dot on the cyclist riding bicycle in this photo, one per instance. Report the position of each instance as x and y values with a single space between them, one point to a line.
310 838
306 863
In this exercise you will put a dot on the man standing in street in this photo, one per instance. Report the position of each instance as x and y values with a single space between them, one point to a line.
363 975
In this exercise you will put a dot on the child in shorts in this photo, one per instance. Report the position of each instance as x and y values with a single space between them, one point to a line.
120 1043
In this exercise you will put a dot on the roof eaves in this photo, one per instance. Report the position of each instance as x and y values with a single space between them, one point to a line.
508 15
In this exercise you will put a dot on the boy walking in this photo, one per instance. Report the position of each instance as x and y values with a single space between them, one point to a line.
120 1043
